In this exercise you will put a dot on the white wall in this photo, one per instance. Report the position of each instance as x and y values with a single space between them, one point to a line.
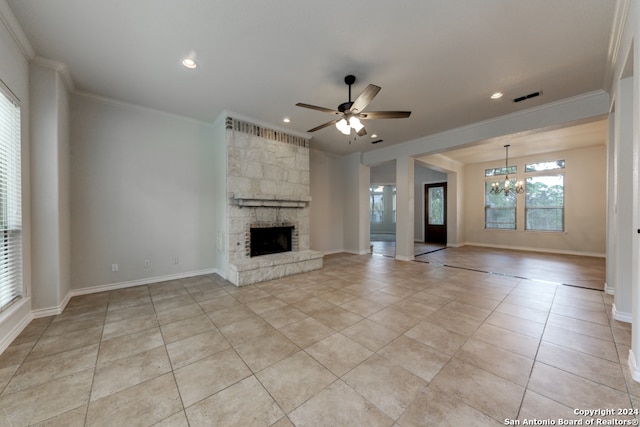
213 164
326 179
14 75
142 189
624 214
355 204
50 188
384 173
585 206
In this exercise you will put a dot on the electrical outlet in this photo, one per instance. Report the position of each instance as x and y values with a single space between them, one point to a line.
147 263
175 260
114 267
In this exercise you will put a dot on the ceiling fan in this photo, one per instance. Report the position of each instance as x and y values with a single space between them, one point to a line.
350 113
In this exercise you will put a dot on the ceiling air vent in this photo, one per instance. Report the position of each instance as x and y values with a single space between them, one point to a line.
524 97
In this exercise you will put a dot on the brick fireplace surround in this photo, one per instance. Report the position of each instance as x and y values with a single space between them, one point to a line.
267 185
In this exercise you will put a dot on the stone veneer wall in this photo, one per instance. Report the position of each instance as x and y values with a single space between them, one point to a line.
267 184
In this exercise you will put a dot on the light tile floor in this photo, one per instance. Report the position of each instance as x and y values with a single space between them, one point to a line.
364 341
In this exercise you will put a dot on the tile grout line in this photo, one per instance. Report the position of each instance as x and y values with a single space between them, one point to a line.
95 366
535 357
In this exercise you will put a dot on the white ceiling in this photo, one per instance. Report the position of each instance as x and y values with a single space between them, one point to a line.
440 59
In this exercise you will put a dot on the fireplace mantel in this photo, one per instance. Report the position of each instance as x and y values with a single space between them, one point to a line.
271 201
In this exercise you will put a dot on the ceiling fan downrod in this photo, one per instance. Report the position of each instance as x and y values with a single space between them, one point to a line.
349 80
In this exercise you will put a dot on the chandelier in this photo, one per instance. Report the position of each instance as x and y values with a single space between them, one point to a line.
507 189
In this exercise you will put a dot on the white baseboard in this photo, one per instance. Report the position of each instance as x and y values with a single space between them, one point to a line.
609 290
52 311
15 318
354 252
544 250
620 315
635 373
404 258
338 251
140 282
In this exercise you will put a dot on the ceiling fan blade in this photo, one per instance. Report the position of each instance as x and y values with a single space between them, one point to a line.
362 132
385 115
322 126
365 98
315 107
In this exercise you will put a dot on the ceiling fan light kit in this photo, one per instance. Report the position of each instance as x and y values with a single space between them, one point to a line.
350 112
344 127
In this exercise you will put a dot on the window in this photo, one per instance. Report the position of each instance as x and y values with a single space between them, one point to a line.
394 204
383 199
499 210
500 171
544 166
10 202
544 203
377 203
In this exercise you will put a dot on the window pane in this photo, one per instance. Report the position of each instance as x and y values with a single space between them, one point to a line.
544 203
436 206
501 171
545 219
500 210
504 218
377 204
394 204
544 166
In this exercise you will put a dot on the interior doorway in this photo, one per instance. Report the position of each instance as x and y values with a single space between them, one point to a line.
435 209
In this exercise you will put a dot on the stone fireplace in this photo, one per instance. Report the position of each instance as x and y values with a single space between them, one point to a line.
268 204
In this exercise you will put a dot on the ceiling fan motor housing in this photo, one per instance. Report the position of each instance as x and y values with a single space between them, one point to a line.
345 106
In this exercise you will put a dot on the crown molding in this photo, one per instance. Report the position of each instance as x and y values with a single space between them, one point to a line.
136 107
58 66
11 24
620 17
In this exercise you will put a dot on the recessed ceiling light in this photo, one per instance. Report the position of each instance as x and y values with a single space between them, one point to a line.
375 135
189 63
497 95
286 120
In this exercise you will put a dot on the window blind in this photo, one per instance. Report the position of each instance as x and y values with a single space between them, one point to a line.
10 202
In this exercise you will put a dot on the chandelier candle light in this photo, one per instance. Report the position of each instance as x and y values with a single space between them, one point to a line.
496 188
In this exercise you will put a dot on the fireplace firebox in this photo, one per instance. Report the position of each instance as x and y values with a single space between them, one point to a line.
271 240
